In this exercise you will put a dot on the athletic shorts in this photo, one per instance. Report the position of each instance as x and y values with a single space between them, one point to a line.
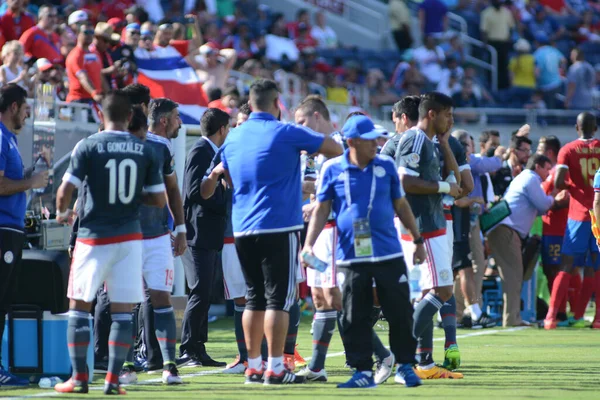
119 265
158 265
324 249
436 270
551 250
578 239
233 278
270 265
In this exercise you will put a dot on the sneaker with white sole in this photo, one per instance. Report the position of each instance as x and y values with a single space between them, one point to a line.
385 369
128 375
236 367
312 376
170 375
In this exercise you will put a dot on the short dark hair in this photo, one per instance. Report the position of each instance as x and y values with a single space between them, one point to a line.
552 143
160 108
10 94
485 136
537 159
434 101
314 103
116 106
231 91
138 119
408 105
138 94
214 94
517 141
355 113
245 109
212 120
262 93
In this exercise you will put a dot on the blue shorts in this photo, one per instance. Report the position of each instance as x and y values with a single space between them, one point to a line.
578 239
551 246
585 261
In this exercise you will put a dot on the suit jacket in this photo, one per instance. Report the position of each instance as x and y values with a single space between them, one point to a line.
204 219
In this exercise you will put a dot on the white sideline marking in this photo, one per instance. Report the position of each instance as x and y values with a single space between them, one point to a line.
482 332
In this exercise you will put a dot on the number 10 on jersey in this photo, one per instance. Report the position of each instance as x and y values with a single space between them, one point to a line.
119 175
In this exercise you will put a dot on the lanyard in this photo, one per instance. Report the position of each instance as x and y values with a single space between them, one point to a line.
371 196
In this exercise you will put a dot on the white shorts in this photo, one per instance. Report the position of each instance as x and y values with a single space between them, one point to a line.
324 249
119 265
233 277
436 271
158 267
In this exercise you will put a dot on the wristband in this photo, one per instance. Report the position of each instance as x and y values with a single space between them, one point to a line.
63 214
419 241
443 187
180 229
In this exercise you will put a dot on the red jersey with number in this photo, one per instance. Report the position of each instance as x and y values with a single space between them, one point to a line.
582 158
554 221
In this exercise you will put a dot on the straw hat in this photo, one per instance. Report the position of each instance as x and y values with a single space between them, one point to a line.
104 30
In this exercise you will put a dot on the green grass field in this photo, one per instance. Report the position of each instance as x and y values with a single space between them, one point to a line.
497 364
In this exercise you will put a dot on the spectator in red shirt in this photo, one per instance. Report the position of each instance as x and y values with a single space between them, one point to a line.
304 39
15 21
2 38
84 70
228 102
40 41
302 17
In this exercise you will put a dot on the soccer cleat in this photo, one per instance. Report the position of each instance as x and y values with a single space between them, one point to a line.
485 321
359 381
452 358
579 323
405 375
72 386
254 377
550 324
8 379
299 360
236 367
112 389
596 324
170 375
312 376
284 378
128 375
437 372
385 369
563 324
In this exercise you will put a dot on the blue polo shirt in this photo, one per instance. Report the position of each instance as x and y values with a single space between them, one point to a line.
384 236
263 159
12 207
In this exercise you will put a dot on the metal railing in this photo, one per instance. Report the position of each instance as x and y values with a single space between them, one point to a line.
358 14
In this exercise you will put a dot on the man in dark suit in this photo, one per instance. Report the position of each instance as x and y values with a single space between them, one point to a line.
205 223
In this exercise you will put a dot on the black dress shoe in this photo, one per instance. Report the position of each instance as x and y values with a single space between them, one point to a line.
209 362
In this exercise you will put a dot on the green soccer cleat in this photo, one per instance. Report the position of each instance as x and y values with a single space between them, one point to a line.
452 358
579 323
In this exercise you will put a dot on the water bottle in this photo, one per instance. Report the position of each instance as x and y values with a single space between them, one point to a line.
49 382
448 200
414 275
40 166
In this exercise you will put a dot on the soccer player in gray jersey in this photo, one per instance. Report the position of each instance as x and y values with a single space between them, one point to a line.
158 263
405 115
121 173
418 164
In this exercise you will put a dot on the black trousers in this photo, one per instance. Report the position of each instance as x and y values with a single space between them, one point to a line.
199 272
153 353
11 252
503 49
102 322
393 291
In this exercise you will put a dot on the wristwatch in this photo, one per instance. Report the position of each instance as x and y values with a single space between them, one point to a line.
419 240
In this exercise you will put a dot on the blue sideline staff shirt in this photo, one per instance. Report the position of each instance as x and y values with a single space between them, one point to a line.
384 236
262 157
12 207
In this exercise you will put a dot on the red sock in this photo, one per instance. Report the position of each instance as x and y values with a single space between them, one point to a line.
575 292
559 292
587 289
563 306
597 277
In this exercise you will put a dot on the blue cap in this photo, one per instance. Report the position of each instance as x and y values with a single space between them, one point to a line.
360 126
133 27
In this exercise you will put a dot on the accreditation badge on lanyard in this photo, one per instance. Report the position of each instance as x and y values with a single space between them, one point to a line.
363 243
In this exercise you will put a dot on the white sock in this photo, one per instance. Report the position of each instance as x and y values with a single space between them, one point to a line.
255 363
475 311
275 364
367 373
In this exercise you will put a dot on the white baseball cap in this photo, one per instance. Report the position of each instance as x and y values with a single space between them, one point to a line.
77 17
43 64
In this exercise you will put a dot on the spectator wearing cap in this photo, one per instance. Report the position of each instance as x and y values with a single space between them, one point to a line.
41 41
364 192
228 102
11 70
76 19
15 21
103 36
46 72
213 66
496 24
522 73
84 70
325 36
